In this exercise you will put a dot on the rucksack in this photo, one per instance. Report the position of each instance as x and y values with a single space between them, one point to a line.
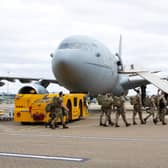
105 101
57 101
134 100
148 102
48 108
100 99
117 101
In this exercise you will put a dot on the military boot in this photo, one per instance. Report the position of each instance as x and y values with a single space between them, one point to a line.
111 123
116 125
64 127
142 122
127 124
145 119
47 125
164 123
105 125
155 121
56 125
52 126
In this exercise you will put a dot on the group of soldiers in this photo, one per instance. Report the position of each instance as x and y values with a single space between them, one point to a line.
155 106
57 111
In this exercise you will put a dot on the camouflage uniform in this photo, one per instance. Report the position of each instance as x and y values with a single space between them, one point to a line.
64 112
102 112
150 103
120 110
137 109
57 112
161 109
106 103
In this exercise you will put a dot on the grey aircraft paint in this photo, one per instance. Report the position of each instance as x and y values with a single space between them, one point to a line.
82 64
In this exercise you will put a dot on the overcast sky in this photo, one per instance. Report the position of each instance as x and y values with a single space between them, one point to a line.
31 29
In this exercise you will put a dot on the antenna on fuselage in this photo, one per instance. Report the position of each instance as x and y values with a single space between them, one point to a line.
119 62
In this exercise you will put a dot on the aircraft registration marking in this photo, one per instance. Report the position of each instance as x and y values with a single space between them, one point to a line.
30 156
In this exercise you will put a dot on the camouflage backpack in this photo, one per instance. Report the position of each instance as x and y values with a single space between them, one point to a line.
117 101
105 101
48 108
134 100
100 99
148 102
57 102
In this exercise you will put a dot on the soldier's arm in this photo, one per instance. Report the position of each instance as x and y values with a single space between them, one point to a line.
153 103
66 108
140 101
164 100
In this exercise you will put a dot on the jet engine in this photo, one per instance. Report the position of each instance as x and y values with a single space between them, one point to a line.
33 89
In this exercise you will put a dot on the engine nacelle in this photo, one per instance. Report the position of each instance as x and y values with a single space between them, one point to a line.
33 89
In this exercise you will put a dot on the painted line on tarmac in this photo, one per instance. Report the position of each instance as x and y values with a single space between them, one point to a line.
119 139
30 156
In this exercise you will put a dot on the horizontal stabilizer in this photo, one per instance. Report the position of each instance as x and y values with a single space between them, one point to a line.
131 72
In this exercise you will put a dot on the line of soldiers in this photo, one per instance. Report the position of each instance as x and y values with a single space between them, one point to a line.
57 111
155 106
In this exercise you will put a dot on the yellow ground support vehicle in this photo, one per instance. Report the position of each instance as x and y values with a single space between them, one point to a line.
30 108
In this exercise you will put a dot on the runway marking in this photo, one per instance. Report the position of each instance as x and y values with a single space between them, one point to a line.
74 159
121 139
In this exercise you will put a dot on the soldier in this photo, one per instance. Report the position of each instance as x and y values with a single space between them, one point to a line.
51 108
119 103
137 108
107 107
106 102
151 107
102 112
57 112
64 108
161 108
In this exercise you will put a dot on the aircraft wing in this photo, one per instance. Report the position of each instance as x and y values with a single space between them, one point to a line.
155 80
25 79
146 78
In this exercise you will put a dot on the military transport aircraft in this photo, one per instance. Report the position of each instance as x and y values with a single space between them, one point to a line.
82 64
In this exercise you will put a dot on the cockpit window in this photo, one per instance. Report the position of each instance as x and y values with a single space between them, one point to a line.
70 46
83 46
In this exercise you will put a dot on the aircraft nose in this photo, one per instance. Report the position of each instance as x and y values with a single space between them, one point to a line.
65 66
64 61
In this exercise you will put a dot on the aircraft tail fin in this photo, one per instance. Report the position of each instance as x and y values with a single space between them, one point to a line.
120 47
119 54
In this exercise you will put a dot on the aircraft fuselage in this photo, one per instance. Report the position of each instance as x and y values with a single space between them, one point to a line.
82 64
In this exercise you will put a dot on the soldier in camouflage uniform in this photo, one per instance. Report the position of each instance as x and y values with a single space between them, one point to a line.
102 112
162 103
50 108
137 108
107 107
64 108
150 107
119 103
57 112
106 102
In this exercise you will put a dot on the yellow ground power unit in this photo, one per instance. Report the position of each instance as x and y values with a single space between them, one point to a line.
31 108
